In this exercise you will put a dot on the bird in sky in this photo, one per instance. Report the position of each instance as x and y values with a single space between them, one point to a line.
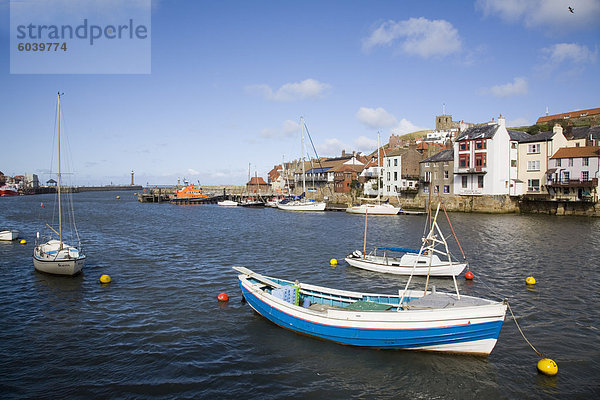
571 9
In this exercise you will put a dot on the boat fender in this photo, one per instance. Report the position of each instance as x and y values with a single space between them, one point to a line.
357 253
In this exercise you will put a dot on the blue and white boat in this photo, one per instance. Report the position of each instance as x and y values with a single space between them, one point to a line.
411 320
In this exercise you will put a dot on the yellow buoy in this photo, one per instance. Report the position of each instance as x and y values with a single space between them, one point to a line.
547 367
333 261
118 197
23 241
105 278
530 280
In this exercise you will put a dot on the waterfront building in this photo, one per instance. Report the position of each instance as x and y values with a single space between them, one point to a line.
437 173
400 172
573 174
534 154
485 160
320 174
344 176
257 185
581 136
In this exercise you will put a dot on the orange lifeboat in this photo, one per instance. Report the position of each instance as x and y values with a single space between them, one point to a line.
189 192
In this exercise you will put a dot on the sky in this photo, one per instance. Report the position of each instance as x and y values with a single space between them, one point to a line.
228 82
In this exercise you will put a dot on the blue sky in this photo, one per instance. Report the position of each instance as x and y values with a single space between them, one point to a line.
230 79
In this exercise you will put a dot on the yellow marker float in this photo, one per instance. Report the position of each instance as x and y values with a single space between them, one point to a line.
333 262
105 278
530 280
547 367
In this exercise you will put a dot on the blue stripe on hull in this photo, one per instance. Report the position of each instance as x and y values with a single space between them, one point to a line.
379 338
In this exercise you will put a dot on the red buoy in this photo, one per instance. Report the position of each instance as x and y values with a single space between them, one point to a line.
469 275
223 297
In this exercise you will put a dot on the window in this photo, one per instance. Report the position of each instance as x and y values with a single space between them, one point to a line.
513 145
558 162
463 161
533 148
533 165
480 161
565 177
446 189
426 165
585 161
464 182
585 175
395 162
427 176
389 162
480 181
437 189
395 175
480 144
462 146
533 185
446 174
570 162
388 177
513 163
425 189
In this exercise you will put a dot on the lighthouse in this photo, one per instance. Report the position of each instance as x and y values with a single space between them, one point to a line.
131 177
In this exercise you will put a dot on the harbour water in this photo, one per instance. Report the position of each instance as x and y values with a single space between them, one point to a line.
158 331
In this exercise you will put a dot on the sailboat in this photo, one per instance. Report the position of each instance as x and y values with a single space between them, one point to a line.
302 204
378 207
424 262
55 256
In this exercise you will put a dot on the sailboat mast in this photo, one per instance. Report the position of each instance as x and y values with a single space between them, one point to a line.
59 205
378 172
303 169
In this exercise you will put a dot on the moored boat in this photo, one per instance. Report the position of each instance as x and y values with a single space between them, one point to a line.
413 320
227 203
188 192
9 190
373 209
55 256
425 261
9 234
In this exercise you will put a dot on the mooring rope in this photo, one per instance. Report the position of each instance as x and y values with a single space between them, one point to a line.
522 334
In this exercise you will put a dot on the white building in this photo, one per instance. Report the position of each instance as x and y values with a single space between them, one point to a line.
485 161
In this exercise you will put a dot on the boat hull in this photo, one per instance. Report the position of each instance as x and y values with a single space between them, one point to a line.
386 265
62 267
302 206
373 209
9 235
465 330
227 203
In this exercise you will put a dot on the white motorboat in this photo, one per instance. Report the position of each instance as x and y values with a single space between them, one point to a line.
9 234
227 203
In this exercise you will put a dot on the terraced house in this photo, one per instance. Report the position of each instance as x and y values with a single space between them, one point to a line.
573 174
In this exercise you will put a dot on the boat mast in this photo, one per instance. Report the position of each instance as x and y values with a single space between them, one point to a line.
378 172
59 205
303 169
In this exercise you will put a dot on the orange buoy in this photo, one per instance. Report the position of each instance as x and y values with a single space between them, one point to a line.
469 275
223 297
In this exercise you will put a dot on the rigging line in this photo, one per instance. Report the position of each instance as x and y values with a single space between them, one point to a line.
317 155
451 228
522 334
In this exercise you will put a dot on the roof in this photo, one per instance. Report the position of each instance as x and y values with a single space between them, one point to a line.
444 155
478 132
539 137
576 152
583 132
518 135
346 167
317 170
571 114
256 181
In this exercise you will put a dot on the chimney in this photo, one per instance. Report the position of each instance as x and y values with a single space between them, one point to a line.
502 121
557 129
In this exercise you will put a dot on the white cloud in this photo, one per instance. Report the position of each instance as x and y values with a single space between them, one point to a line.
417 36
287 129
375 117
306 89
192 172
517 87
365 144
404 127
570 53
550 14
332 147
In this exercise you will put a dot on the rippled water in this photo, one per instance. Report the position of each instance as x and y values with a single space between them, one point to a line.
158 331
